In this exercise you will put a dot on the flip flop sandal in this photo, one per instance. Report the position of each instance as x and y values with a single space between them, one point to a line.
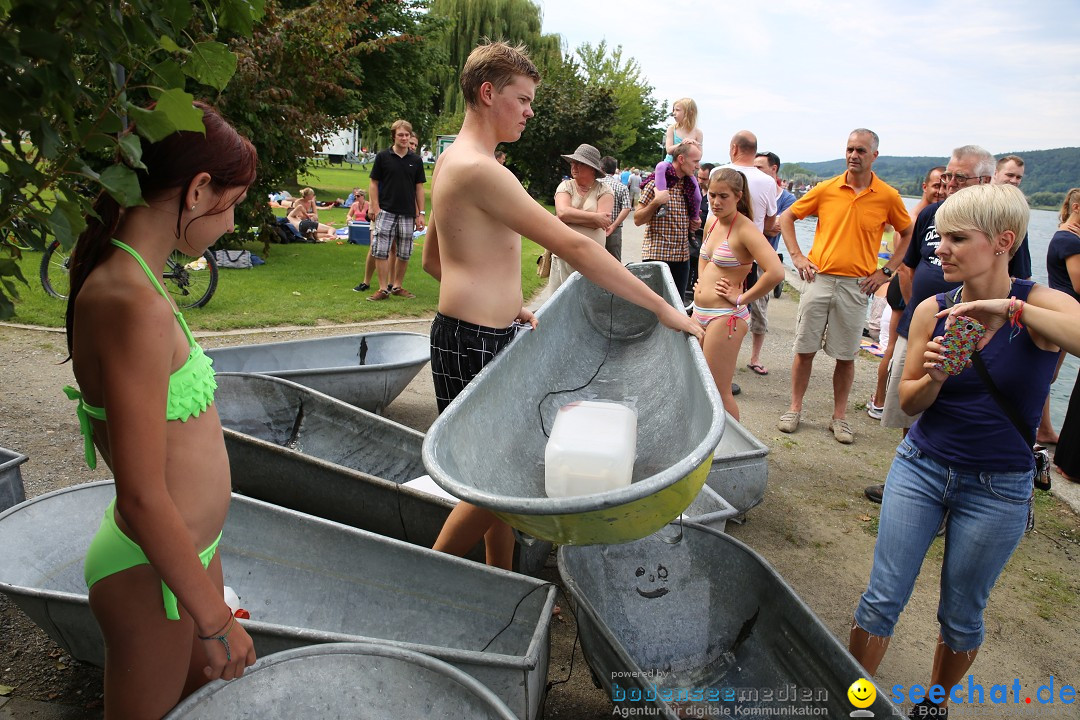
758 369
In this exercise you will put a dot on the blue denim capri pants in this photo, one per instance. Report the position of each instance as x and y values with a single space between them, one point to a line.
988 513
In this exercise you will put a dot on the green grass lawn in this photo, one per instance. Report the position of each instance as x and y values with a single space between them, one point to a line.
300 284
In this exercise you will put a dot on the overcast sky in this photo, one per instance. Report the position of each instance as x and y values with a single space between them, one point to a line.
926 76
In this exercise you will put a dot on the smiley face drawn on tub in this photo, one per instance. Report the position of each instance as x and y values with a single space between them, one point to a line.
660 576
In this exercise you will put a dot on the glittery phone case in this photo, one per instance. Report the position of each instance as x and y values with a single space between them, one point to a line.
959 342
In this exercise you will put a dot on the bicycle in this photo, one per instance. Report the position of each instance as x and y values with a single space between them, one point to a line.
191 282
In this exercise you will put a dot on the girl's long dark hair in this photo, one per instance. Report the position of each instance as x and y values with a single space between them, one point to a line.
171 164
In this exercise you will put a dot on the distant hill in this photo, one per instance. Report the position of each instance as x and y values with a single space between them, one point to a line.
1047 173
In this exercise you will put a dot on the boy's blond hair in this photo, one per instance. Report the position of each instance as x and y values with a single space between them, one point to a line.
497 63
989 209
401 124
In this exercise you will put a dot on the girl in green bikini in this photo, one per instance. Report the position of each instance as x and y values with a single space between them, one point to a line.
145 397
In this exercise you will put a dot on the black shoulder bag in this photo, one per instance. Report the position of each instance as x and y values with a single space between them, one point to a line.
1042 457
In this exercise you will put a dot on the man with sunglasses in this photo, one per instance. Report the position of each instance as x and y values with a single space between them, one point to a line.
921 275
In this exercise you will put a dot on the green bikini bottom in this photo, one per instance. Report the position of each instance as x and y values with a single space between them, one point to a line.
111 551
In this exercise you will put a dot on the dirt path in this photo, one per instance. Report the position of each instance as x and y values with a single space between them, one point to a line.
814 527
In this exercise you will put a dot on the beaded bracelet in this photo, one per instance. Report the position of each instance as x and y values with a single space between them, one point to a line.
223 637
738 301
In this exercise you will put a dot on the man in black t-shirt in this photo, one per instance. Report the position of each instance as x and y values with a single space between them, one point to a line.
397 208
921 275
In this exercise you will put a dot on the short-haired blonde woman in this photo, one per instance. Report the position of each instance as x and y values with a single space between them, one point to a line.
964 460
1063 273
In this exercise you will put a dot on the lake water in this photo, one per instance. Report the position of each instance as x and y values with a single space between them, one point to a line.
1041 228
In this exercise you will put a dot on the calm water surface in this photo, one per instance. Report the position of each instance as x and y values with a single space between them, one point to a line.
1041 228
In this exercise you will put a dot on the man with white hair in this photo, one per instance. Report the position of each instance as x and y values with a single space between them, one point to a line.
921 276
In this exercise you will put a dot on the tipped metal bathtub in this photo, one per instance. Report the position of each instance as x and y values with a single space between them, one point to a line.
305 581
704 625
11 482
710 509
345 680
367 370
740 468
298 448
488 447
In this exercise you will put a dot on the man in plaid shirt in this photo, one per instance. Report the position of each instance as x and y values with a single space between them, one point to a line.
619 210
667 236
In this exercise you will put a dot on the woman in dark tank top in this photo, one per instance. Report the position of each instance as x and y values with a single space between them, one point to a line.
1063 272
964 460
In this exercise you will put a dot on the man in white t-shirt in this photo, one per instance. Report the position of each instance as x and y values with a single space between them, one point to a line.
742 152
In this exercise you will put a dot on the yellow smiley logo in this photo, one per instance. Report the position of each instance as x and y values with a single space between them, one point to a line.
862 693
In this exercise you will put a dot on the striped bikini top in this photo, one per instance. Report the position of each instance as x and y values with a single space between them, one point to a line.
722 256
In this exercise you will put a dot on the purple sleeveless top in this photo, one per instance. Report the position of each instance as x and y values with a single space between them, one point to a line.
965 428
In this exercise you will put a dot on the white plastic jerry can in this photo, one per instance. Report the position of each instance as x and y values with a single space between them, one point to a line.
591 448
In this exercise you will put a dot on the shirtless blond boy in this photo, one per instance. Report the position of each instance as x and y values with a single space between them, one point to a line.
474 249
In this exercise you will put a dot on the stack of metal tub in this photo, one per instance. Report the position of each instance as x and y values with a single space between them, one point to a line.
305 581
298 448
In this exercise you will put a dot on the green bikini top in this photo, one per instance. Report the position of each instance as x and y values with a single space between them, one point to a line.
191 387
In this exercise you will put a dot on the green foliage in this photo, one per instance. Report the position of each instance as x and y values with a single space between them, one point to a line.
568 113
75 75
467 22
648 149
312 68
622 76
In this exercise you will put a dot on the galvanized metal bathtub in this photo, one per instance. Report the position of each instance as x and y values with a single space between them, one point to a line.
11 482
704 627
305 581
345 680
298 448
367 370
740 468
488 447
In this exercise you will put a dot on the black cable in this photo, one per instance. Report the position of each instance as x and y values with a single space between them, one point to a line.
514 614
573 652
607 349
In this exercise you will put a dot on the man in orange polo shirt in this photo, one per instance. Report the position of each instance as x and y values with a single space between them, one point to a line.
841 270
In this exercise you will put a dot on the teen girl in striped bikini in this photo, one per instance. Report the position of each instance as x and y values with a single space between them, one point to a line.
732 244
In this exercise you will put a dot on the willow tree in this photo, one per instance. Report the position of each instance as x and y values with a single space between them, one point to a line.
470 21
